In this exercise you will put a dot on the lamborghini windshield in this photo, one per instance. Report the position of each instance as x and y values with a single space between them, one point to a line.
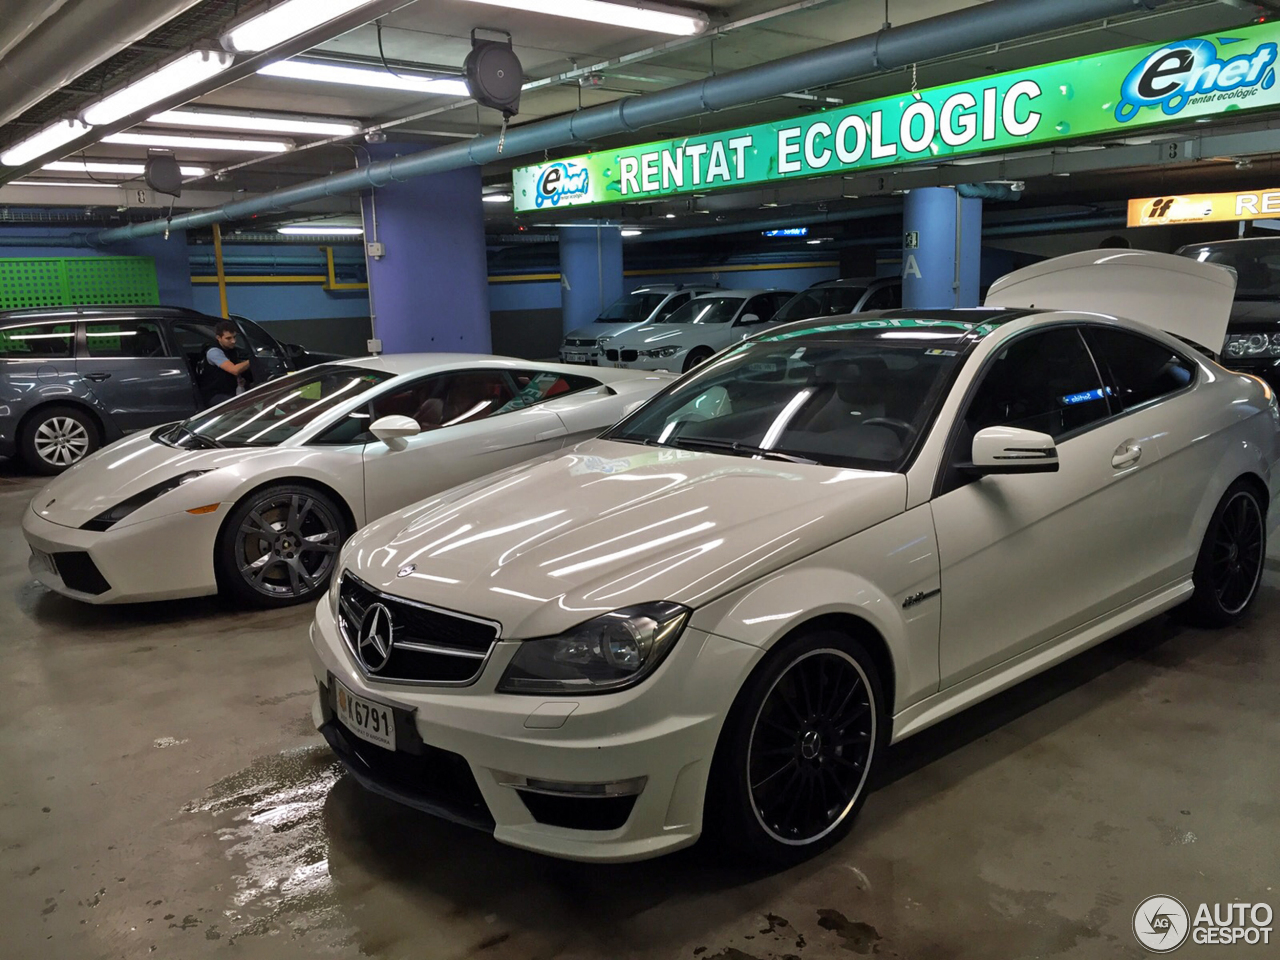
276 411
856 398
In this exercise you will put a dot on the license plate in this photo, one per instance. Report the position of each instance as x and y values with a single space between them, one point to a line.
575 358
369 721
618 363
43 560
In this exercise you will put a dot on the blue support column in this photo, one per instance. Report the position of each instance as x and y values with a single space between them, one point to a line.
173 265
942 249
430 292
590 272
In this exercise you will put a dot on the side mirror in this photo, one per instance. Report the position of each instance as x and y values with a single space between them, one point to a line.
1002 450
293 350
749 318
394 430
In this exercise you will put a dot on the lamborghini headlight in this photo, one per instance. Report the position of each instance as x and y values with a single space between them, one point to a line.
611 652
660 353
113 515
1243 345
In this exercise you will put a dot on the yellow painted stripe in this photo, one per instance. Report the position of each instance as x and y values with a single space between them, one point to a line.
523 277
317 278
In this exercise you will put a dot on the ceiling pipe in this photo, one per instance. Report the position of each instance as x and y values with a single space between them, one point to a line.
946 35
28 15
75 37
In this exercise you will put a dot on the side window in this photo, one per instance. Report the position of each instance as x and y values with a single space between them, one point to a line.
886 298
761 306
259 341
538 385
44 341
668 308
448 399
1143 370
1045 382
777 301
123 338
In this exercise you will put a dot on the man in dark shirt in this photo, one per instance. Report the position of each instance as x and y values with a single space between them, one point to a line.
223 375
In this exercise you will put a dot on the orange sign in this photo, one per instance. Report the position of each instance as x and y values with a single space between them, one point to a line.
1204 208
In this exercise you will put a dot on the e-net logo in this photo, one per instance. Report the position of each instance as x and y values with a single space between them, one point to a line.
1191 71
560 181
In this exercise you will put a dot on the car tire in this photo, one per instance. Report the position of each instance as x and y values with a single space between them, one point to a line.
58 437
815 710
279 545
696 357
1232 557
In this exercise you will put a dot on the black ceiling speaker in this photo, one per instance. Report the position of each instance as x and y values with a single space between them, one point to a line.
494 75
163 175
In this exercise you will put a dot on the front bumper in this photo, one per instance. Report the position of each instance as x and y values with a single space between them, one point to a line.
664 730
162 559
672 364
585 355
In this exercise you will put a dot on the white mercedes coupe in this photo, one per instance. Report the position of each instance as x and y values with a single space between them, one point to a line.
256 496
718 615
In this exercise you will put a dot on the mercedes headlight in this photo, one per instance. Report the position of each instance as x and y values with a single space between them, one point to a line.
659 353
1242 345
113 515
611 652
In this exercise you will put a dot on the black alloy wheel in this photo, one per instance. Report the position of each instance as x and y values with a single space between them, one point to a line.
279 546
797 750
1232 556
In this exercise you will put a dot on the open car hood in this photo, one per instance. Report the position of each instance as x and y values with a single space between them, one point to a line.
1178 295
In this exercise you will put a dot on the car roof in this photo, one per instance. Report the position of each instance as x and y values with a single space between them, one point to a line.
854 282
114 310
409 364
968 322
673 287
743 292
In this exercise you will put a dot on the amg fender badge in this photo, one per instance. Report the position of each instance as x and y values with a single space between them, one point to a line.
918 598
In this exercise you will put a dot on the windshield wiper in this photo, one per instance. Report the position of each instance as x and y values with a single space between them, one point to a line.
207 442
735 446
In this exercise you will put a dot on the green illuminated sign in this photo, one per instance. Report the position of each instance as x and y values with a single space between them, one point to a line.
1135 87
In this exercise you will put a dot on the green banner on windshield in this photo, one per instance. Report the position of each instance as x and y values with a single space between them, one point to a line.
1116 91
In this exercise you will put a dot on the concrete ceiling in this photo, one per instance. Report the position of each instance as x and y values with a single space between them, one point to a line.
434 35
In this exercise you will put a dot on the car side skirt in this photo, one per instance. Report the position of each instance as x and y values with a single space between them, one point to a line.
948 702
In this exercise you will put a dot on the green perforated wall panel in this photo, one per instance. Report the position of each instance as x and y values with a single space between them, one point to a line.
76 281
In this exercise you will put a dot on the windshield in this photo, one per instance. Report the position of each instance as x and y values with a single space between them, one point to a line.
821 302
632 308
276 411
859 402
1256 263
707 310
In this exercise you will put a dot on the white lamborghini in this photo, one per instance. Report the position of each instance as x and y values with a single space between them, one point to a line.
257 495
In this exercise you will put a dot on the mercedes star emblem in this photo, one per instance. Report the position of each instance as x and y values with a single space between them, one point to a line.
374 648
407 569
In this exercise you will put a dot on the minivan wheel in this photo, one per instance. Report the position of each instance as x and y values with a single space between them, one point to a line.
792 767
279 545
1232 555
697 357
56 438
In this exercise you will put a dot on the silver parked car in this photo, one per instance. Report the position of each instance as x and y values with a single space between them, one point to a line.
648 304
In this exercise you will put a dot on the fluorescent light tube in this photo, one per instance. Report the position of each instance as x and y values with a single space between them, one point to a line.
631 233
60 183
176 75
255 122
319 230
206 143
46 141
284 21
317 72
110 166
496 198
682 23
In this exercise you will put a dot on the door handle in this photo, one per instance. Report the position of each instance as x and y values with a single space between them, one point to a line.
97 377
1127 455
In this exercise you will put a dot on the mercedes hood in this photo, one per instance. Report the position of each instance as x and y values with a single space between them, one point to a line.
547 546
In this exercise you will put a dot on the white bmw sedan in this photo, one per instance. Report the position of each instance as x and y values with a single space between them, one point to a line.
718 615
256 496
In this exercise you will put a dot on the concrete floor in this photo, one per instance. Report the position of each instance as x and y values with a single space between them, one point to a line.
162 793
